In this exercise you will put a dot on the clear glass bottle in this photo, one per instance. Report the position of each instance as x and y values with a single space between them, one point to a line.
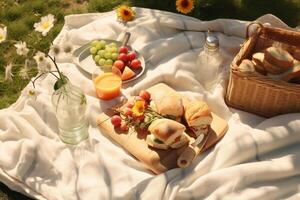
209 62
70 106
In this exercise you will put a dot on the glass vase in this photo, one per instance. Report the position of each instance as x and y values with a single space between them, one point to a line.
70 107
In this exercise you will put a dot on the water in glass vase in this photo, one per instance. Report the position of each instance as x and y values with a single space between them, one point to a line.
70 106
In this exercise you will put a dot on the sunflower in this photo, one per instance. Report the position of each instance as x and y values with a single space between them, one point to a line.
125 13
184 6
138 108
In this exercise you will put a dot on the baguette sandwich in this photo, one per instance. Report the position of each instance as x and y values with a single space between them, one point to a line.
168 105
198 117
166 133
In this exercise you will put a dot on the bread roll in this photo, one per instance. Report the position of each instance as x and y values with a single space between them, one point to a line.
166 130
246 66
278 57
167 103
258 61
293 74
198 117
273 69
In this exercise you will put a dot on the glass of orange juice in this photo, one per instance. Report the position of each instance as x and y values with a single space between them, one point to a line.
107 85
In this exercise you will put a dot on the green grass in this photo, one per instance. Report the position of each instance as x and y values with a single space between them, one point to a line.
20 17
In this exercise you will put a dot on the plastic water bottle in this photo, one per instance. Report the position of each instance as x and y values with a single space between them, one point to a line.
209 63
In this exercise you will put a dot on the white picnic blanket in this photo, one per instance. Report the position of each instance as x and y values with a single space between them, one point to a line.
257 159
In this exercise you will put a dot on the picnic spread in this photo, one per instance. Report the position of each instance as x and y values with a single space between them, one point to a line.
151 112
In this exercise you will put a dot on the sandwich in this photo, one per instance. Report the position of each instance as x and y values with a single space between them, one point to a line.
165 133
198 117
168 105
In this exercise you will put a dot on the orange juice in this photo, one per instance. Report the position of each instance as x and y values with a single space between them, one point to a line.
108 85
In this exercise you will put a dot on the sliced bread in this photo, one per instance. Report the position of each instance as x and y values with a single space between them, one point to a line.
279 57
273 69
258 61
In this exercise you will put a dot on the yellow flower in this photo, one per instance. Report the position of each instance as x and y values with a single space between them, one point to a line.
138 108
125 13
184 6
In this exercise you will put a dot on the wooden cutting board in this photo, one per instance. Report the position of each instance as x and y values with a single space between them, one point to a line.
156 160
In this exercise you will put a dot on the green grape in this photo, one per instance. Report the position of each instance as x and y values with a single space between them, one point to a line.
114 56
103 43
109 62
97 58
107 55
101 53
93 44
114 49
93 50
102 61
113 44
98 46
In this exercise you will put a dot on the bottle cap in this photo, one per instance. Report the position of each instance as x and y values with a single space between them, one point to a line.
212 42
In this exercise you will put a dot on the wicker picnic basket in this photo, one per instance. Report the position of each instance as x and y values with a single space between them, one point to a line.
259 94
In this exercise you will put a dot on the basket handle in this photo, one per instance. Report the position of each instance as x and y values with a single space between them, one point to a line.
253 23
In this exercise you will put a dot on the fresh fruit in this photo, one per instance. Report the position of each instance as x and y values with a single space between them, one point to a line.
107 55
145 95
99 46
124 127
114 56
116 71
102 42
135 64
116 120
93 50
109 62
113 44
101 53
127 74
101 62
123 57
123 49
131 56
93 44
97 58
119 64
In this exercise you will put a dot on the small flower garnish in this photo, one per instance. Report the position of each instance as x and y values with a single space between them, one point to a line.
184 6
45 25
8 72
3 34
42 62
31 93
138 108
22 49
125 13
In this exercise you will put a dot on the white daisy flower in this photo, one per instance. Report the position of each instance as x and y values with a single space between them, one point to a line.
46 23
22 49
39 57
3 34
30 93
8 72
41 61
